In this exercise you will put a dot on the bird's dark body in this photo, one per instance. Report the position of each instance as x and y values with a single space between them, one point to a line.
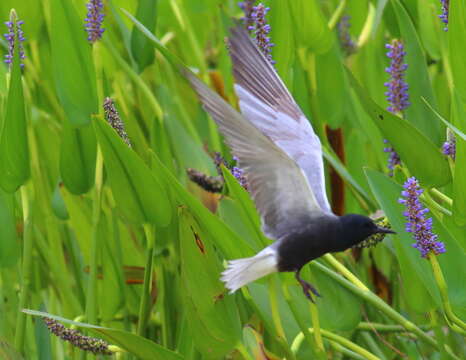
321 235
299 247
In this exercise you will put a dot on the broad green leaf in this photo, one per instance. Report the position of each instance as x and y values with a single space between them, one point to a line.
9 245
458 114
140 49
311 27
456 35
77 158
228 242
72 63
429 26
134 344
453 128
8 351
247 209
422 157
424 295
283 52
332 87
417 78
140 196
14 150
215 325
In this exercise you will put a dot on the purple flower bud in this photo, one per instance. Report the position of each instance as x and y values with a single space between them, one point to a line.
14 37
417 224
347 44
444 15
94 20
449 146
393 158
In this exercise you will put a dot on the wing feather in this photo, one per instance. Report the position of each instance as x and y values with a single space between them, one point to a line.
265 102
277 184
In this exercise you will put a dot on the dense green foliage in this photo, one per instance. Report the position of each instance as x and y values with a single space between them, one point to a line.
117 242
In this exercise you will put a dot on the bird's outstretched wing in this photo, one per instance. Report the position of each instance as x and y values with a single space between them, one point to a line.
265 102
277 184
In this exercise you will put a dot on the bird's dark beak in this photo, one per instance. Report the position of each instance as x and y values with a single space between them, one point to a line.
382 230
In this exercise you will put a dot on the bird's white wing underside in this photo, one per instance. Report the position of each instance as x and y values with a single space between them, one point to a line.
265 102
279 187
295 138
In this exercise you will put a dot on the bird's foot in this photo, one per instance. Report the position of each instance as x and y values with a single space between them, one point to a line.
308 289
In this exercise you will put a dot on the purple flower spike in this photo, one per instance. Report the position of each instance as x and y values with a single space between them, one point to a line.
449 146
397 94
94 20
248 7
444 15
238 173
261 31
14 37
347 44
417 224
393 158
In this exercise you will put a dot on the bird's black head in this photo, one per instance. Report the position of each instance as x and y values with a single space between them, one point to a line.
356 228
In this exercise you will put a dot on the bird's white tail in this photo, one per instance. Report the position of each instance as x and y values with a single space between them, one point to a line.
243 271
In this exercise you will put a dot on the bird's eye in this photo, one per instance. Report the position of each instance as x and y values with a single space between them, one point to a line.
368 225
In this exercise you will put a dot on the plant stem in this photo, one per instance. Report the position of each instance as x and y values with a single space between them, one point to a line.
273 290
316 327
147 285
441 196
344 271
25 271
341 349
339 340
443 288
365 326
299 320
336 15
378 303
431 203
91 298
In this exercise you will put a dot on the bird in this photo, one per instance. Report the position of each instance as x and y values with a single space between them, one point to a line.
281 158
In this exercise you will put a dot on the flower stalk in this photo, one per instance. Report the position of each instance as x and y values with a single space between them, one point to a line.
443 288
15 38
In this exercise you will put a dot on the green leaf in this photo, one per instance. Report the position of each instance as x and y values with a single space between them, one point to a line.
14 150
458 113
283 51
229 243
311 26
447 123
9 245
73 67
247 209
215 325
134 344
77 158
140 196
332 87
422 157
420 290
418 79
456 35
140 49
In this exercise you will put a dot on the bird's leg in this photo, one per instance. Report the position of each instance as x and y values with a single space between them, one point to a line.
307 288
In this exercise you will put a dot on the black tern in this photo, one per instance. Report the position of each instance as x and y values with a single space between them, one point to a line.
281 157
